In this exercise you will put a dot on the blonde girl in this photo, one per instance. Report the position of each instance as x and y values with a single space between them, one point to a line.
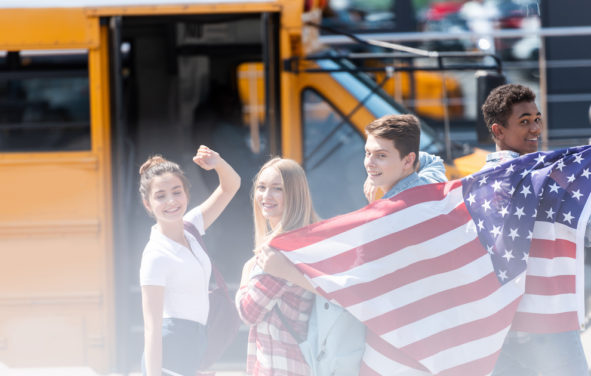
281 202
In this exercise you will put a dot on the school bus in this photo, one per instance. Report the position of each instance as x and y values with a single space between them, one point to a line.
88 90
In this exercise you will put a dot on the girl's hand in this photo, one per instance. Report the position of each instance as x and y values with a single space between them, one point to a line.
206 158
272 261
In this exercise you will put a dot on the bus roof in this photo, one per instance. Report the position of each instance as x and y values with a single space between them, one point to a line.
14 4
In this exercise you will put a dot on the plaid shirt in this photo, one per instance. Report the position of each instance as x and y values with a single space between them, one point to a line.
272 350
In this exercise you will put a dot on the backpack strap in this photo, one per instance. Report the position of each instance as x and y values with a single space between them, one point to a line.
219 280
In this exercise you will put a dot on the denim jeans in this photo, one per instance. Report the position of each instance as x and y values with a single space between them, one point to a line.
528 354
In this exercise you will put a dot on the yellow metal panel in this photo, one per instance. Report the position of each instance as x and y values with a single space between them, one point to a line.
47 29
197 8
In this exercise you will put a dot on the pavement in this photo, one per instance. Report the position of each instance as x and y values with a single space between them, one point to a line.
86 371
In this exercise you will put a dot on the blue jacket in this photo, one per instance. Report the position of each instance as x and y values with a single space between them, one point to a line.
431 170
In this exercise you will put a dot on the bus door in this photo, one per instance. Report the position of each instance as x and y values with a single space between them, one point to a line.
55 222
175 87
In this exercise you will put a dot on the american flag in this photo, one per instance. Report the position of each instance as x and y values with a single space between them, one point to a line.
441 272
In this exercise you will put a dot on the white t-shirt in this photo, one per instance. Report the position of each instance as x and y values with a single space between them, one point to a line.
184 274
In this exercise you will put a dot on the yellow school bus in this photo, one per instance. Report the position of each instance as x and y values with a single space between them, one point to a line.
88 90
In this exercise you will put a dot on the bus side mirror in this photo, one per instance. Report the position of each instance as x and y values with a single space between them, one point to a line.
485 83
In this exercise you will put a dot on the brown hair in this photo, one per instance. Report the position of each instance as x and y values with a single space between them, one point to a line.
498 105
403 130
298 207
156 166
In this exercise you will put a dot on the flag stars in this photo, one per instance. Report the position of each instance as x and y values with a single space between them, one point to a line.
560 165
540 158
510 169
483 180
480 224
554 188
578 158
508 255
496 231
535 213
524 173
503 275
513 234
550 213
530 235
511 191
489 249
571 178
486 205
519 212
525 257
525 191
504 211
471 199
577 194
586 173
496 185
568 218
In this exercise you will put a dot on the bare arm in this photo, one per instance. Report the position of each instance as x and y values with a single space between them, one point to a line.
152 304
215 204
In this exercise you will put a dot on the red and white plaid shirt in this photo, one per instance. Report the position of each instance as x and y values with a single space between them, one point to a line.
272 350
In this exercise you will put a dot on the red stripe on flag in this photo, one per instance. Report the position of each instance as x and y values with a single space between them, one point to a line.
562 284
433 304
331 227
549 249
545 323
380 345
416 271
478 367
387 245
463 333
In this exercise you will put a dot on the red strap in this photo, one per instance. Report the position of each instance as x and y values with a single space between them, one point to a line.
219 280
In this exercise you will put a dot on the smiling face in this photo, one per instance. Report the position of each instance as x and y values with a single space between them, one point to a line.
167 200
522 130
383 163
269 195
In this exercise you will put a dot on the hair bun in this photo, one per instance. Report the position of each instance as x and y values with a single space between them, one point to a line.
151 162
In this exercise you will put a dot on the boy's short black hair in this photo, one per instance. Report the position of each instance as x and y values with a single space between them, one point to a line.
498 105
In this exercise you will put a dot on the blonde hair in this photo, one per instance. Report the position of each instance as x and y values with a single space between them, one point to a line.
298 209
156 166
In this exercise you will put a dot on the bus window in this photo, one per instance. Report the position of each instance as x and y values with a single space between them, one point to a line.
333 157
44 102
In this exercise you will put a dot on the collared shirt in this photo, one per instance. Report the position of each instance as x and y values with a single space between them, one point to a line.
499 157
272 350
184 273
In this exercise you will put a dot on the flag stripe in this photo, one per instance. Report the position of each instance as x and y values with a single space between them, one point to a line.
561 284
336 243
414 272
375 211
396 261
470 292
377 345
551 267
454 317
389 244
545 323
463 333
550 249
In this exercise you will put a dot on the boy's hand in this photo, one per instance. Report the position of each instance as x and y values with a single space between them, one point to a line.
206 158
369 190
